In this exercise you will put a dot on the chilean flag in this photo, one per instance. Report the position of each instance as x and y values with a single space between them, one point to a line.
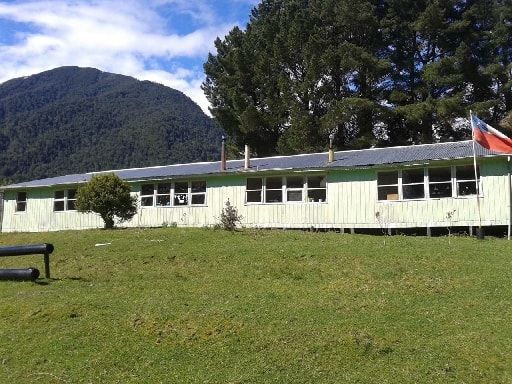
489 137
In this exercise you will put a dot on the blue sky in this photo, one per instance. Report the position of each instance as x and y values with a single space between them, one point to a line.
165 41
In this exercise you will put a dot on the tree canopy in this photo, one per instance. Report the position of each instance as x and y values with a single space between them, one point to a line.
369 72
108 196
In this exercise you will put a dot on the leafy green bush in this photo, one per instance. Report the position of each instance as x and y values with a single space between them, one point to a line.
108 196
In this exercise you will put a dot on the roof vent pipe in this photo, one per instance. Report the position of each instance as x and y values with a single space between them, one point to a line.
247 164
223 155
331 150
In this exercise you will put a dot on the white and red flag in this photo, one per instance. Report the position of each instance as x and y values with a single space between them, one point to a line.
489 137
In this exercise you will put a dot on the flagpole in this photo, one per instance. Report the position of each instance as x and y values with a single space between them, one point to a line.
509 190
476 174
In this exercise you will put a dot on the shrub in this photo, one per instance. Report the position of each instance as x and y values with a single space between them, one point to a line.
108 196
229 218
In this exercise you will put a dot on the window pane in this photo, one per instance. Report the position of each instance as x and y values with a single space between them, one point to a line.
198 189
21 201
316 182
181 199
466 188
388 193
198 186
181 187
253 183
440 190
273 196
294 195
466 184
162 189
274 183
412 176
294 182
253 196
439 174
163 200
387 178
274 193
59 195
146 201
21 206
316 195
414 191
147 189
71 205
466 172
198 199
58 205
440 182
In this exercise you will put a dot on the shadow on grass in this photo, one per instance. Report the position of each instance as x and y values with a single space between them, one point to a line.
48 281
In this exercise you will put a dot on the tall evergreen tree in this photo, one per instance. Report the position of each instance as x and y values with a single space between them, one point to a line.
301 71
370 72
427 80
354 72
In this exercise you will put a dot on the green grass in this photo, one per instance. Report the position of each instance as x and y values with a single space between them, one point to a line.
178 305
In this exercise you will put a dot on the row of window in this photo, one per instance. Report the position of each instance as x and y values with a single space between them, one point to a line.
183 193
427 183
290 189
405 184
63 200
178 193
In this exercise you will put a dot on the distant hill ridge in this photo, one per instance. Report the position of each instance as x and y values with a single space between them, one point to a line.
74 120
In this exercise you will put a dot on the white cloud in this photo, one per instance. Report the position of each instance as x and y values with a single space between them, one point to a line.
146 40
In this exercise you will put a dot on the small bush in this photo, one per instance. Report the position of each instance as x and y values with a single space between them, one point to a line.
229 218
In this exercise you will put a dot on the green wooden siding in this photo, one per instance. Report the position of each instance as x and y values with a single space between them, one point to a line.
351 203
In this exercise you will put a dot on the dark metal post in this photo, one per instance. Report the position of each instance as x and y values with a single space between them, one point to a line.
47 265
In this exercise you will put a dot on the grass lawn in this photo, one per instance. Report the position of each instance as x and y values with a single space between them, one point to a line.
176 305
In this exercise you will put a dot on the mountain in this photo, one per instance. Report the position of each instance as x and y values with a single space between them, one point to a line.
73 120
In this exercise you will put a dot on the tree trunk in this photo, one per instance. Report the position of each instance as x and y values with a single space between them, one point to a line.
109 222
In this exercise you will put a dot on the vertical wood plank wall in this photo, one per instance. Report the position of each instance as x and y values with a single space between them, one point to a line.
351 203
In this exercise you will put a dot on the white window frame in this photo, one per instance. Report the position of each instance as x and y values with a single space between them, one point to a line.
470 181
440 185
273 194
147 194
395 191
198 191
292 189
255 189
162 194
166 194
414 185
391 190
316 193
181 193
67 200
21 202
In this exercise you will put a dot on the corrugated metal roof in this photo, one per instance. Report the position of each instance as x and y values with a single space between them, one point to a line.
342 159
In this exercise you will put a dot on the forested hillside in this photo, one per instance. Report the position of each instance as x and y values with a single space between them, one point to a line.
73 120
